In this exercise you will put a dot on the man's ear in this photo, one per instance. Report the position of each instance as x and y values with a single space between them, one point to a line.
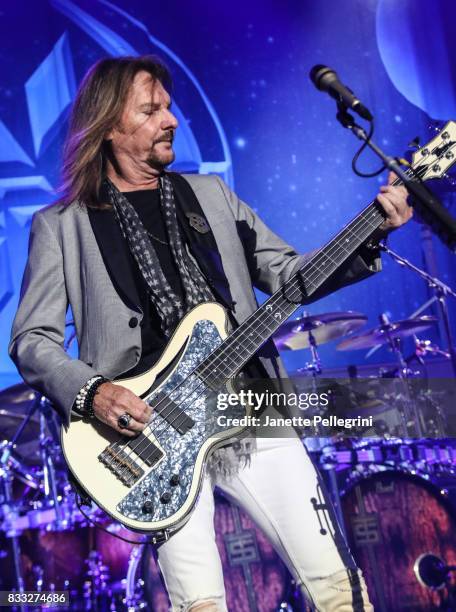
109 135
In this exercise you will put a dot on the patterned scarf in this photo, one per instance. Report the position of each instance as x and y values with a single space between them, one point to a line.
170 307
226 461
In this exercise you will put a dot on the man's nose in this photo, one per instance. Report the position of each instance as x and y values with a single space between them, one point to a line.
170 121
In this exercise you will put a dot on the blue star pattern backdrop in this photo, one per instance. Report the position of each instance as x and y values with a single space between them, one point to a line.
247 111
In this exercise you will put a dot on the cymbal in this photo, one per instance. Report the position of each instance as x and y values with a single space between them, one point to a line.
294 335
387 332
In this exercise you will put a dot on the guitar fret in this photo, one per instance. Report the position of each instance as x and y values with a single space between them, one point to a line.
259 336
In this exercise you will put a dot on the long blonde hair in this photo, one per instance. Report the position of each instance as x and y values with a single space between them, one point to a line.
97 109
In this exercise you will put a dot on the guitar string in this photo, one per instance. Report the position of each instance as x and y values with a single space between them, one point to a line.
193 391
166 423
313 267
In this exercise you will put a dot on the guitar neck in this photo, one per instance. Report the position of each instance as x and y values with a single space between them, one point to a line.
230 357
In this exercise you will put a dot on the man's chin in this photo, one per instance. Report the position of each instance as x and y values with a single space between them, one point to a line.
161 161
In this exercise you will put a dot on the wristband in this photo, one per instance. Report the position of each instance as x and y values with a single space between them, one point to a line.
85 397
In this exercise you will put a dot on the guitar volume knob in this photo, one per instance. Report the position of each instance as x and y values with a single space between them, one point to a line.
166 497
148 507
174 480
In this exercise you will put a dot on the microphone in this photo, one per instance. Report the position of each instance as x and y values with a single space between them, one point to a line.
326 79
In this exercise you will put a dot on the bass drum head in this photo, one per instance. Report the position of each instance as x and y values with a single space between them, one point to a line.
392 518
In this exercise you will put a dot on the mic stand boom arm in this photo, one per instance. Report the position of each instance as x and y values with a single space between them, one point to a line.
427 205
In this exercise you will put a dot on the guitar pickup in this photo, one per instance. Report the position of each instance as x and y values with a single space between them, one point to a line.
167 409
145 449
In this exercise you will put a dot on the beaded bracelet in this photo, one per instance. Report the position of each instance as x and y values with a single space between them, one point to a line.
85 397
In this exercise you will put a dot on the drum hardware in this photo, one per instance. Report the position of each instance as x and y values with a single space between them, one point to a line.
134 587
388 332
50 453
391 333
427 458
307 329
310 331
425 347
34 420
20 471
441 292
392 518
9 513
431 400
97 593
37 426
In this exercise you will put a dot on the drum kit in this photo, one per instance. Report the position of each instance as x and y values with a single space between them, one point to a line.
392 485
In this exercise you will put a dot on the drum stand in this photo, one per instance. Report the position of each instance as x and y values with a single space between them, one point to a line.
9 510
9 515
317 442
48 449
409 411
441 291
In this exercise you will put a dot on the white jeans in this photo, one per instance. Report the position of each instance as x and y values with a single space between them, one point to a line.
281 491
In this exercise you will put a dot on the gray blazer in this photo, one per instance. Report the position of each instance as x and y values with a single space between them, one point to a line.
65 267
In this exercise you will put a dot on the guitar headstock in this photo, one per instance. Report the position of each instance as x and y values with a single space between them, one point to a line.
436 157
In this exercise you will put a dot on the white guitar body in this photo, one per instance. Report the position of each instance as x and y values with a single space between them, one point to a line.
152 484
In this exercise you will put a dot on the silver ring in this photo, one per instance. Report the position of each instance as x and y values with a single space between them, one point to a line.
124 420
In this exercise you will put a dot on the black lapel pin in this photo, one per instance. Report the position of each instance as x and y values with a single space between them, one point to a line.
198 223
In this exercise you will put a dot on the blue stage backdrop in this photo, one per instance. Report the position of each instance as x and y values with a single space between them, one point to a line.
247 111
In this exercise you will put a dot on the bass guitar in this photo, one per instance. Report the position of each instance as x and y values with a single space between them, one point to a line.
150 483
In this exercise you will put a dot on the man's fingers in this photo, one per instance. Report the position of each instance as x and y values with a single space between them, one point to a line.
393 200
140 411
398 194
124 432
391 178
128 402
134 426
389 209
115 400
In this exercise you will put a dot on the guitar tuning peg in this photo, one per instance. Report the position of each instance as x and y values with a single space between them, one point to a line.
415 143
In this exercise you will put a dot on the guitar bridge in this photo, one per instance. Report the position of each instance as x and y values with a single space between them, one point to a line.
121 465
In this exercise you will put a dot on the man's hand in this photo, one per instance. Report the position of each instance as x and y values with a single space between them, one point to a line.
393 200
111 401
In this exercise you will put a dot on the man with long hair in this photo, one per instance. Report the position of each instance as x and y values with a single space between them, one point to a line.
132 248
